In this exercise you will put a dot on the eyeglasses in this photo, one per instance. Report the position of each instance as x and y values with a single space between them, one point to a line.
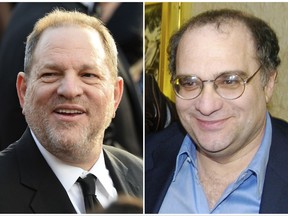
229 86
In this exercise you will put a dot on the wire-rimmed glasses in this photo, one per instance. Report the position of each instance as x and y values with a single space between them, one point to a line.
229 85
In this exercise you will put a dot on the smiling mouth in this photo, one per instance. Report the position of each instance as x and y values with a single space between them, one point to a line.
68 112
212 125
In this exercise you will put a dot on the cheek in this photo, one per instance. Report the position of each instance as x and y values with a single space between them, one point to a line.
254 99
101 93
101 106
30 98
101 97
37 96
184 106
185 110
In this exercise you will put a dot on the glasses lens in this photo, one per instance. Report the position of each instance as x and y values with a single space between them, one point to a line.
229 86
187 87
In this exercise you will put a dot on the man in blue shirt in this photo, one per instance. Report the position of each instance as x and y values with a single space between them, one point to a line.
227 154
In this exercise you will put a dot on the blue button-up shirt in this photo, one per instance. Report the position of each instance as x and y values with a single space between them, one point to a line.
186 195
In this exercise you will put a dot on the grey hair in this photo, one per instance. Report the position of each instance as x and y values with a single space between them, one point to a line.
59 18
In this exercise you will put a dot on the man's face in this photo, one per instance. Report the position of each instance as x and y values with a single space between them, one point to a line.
71 96
222 128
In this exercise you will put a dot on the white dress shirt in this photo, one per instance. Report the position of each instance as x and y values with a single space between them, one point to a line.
68 175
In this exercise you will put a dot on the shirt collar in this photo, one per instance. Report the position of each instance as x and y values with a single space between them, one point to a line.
257 165
68 174
187 150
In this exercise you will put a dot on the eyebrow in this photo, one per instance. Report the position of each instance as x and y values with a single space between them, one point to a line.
89 67
238 72
52 66
60 67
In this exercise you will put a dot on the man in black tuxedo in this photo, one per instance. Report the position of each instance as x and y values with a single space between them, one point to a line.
69 93
12 122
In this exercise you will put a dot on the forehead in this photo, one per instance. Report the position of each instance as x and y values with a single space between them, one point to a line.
225 34
70 38
209 46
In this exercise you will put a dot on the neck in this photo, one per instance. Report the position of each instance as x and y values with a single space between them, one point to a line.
87 161
227 164
216 174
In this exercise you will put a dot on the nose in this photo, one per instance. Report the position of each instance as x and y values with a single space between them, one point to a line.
208 101
70 86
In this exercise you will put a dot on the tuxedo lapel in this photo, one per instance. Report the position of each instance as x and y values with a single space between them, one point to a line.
49 196
123 183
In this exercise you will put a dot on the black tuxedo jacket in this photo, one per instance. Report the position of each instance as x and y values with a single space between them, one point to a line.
162 149
28 184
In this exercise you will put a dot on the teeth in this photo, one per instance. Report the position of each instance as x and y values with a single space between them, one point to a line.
64 111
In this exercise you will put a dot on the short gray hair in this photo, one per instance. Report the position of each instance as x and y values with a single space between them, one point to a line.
59 18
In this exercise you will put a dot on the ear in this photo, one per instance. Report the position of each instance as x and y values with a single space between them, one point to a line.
270 86
21 85
118 91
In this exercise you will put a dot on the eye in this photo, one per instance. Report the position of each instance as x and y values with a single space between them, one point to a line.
49 77
89 75
228 81
90 78
189 82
